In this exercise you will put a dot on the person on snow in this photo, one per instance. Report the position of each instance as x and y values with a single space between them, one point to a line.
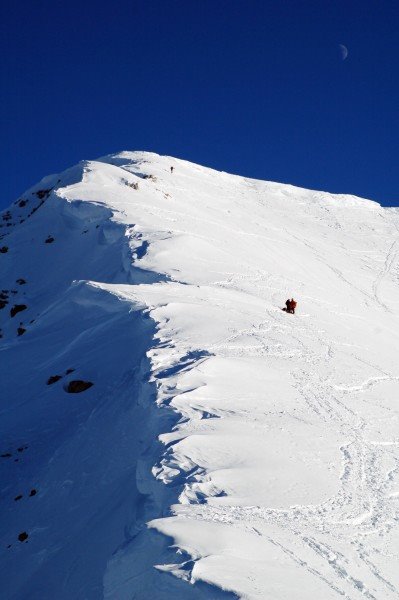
171 169
292 306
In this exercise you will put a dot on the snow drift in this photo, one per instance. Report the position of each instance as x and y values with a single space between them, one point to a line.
215 446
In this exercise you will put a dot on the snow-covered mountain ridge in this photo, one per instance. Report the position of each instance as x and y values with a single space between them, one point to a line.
225 448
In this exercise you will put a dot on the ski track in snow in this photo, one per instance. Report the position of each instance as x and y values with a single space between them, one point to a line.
361 502
390 260
265 447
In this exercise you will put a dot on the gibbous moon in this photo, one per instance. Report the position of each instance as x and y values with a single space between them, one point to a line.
343 51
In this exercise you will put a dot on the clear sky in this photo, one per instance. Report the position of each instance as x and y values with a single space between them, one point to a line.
254 87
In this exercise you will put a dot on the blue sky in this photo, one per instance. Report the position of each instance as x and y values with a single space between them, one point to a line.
257 88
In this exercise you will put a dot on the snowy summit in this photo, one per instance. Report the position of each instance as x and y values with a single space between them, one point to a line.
167 430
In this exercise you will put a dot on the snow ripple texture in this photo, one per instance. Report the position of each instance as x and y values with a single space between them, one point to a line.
226 449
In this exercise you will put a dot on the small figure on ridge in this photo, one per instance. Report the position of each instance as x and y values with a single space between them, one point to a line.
290 306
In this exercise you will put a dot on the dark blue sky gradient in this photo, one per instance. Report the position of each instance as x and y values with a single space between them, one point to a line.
254 87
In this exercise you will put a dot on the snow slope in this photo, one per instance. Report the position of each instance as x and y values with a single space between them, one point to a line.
226 449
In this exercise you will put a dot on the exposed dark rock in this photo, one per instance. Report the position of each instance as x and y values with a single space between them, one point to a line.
23 536
33 492
77 386
35 208
49 240
21 331
43 194
3 303
6 455
53 379
22 203
68 371
17 308
4 249
21 281
18 497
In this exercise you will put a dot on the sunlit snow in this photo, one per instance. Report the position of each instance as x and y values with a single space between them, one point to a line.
226 449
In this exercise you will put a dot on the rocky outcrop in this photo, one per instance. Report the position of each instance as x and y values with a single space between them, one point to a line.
17 308
77 386
53 379
43 194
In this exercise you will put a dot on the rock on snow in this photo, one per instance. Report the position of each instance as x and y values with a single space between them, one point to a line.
225 449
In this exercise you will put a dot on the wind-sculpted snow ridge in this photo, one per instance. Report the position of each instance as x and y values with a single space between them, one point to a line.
213 446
